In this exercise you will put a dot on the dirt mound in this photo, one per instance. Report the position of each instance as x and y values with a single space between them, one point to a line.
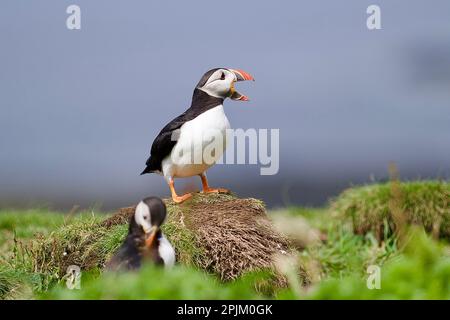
221 234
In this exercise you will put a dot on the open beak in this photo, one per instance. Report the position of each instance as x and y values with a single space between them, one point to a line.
151 237
241 75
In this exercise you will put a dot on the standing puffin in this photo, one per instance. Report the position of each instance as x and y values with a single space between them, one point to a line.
174 152
145 240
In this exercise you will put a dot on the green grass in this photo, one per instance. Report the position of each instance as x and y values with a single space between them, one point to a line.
16 228
422 271
359 229
157 283
25 224
426 203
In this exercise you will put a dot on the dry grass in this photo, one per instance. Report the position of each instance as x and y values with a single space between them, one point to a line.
234 234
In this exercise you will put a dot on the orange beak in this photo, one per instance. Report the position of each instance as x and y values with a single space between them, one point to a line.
151 238
241 75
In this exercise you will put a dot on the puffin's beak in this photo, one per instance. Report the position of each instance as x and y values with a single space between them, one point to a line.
151 237
241 75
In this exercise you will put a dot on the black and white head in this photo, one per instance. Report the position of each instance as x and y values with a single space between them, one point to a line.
149 215
219 83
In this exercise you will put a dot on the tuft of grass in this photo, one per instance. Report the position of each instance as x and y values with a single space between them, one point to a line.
345 253
330 247
14 284
181 236
16 224
84 242
422 271
17 227
425 203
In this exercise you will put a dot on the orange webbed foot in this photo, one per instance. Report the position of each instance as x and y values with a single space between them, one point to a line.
180 199
216 190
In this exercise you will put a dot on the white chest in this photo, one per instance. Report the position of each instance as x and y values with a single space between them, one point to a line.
166 252
211 122
201 143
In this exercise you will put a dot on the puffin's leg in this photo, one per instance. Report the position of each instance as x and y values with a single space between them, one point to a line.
208 189
176 198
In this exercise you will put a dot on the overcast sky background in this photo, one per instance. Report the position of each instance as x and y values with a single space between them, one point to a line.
79 109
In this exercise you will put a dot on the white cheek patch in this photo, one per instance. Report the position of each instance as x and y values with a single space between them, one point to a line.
216 87
142 210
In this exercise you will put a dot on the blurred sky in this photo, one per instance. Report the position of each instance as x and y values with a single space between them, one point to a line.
79 109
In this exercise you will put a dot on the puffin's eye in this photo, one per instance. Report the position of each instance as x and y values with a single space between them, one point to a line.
145 217
222 77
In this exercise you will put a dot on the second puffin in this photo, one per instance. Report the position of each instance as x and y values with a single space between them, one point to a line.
191 143
145 241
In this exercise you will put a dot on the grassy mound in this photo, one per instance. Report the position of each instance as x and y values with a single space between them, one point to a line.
221 234
373 208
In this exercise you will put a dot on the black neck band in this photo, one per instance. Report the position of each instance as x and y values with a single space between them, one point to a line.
202 100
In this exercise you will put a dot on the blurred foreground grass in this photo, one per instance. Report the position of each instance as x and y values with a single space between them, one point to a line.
336 246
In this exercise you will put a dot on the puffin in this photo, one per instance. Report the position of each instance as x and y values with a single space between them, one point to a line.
145 241
203 126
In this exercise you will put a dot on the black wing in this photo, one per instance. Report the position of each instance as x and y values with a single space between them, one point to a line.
165 141
126 258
